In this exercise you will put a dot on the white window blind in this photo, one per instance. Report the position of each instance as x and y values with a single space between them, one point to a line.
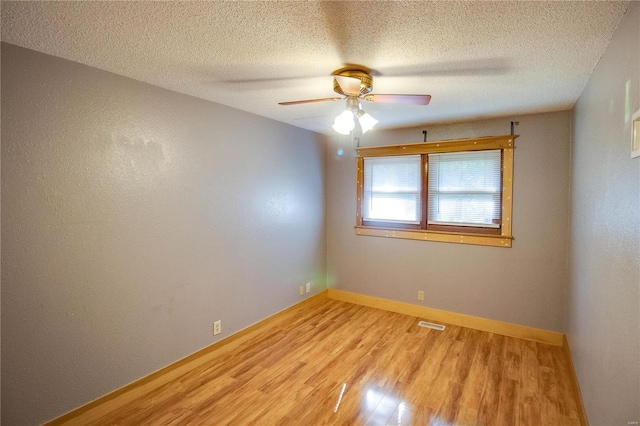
464 189
392 189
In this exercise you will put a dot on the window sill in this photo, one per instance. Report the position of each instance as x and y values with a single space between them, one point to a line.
446 237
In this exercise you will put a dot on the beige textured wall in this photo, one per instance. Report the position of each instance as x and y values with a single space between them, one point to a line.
603 315
524 284
134 217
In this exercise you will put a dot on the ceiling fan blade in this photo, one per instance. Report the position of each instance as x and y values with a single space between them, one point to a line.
474 67
309 101
400 99
349 85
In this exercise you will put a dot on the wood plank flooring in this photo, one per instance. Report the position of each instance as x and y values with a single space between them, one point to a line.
332 362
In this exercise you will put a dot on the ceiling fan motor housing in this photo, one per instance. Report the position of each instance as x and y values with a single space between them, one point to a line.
366 81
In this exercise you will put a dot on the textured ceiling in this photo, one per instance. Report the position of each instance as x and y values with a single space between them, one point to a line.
477 59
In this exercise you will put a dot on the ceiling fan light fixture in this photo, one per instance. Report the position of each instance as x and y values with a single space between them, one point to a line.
366 121
355 84
344 123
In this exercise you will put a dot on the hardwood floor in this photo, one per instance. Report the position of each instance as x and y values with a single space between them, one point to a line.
332 362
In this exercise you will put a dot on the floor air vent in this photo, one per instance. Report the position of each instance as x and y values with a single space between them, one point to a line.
431 325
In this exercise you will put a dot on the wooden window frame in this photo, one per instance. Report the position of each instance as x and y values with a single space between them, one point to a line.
497 237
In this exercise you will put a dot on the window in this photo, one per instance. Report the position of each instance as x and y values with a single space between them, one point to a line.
392 189
464 189
453 191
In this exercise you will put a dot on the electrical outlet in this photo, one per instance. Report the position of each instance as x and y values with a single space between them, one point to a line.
301 290
308 287
217 327
421 295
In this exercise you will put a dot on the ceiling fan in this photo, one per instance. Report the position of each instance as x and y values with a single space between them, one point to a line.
356 84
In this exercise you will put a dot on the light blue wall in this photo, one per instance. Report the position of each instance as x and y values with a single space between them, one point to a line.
603 314
133 217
